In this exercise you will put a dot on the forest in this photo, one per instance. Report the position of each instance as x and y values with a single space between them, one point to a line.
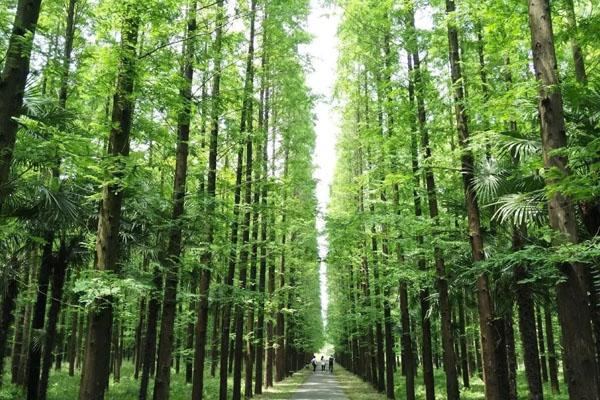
159 214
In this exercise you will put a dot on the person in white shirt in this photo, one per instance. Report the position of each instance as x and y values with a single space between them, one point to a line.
314 363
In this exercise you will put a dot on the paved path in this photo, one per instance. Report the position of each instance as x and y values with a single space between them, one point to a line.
320 386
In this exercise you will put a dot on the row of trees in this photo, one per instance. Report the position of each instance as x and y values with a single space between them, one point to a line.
156 194
447 198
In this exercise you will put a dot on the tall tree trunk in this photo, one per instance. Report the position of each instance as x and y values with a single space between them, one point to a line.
578 58
165 344
270 360
552 361
17 339
573 311
526 310
9 301
264 253
511 356
246 131
12 84
378 328
215 339
280 355
449 354
58 280
96 364
139 337
464 359
34 352
149 347
541 344
72 342
492 365
407 348
211 182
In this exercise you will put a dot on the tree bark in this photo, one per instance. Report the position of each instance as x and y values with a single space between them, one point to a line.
449 354
12 84
492 365
149 347
245 131
465 369
541 344
211 182
9 301
577 52
34 352
58 280
264 253
96 364
573 310
162 382
552 360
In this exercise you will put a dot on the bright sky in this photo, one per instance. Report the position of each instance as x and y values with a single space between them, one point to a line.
322 24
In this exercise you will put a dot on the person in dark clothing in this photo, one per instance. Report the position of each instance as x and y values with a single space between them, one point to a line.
331 364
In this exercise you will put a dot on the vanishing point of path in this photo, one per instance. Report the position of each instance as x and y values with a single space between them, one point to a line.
320 386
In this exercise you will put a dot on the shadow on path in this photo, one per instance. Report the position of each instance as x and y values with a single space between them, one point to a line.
321 386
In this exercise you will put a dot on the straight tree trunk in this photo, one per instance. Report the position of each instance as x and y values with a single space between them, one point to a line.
246 132
264 253
139 338
58 280
72 342
463 341
541 344
9 301
449 354
492 365
280 355
511 356
578 58
572 303
211 182
34 353
162 382
552 361
18 338
149 346
427 351
378 328
96 364
215 339
407 347
526 309
12 84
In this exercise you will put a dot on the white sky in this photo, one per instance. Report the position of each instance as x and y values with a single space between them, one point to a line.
323 50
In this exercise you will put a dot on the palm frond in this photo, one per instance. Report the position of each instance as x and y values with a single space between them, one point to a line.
488 179
521 208
515 144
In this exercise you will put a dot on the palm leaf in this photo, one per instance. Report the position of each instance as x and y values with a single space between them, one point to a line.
521 208
488 179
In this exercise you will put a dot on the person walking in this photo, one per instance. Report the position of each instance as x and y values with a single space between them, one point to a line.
323 362
331 364
314 363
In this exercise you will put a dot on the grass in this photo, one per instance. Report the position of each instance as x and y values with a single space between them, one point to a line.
356 389
65 387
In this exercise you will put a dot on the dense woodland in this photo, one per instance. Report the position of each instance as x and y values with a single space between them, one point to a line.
465 211
158 210
157 201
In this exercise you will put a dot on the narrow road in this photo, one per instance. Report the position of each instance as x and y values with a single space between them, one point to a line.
320 386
